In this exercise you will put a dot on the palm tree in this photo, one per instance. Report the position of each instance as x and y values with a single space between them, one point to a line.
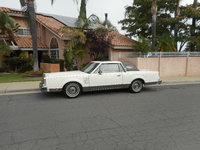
82 18
7 26
154 17
166 43
30 12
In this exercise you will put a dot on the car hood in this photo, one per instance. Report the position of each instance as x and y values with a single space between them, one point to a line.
67 73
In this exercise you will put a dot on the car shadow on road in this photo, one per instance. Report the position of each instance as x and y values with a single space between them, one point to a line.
52 95
61 95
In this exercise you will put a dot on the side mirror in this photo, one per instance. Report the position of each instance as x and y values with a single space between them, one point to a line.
100 72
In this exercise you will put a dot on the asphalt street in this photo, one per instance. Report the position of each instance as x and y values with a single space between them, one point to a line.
158 118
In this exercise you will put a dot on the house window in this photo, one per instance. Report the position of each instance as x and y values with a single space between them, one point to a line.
23 31
54 50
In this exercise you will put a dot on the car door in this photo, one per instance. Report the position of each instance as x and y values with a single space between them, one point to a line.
108 74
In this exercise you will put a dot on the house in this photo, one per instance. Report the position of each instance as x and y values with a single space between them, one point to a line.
50 41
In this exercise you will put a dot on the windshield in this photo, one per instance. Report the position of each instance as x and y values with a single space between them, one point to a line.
90 67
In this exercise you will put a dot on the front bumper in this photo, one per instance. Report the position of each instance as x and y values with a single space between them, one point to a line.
42 87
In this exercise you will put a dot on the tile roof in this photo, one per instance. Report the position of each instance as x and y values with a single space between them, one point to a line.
121 40
11 10
3 36
5 9
50 22
26 42
55 22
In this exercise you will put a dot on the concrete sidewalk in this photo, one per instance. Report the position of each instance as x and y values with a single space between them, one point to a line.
17 87
181 80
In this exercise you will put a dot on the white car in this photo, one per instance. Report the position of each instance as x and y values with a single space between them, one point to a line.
99 75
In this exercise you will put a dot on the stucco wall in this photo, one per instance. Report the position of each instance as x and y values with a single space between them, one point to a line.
46 36
175 66
114 54
193 67
151 63
21 21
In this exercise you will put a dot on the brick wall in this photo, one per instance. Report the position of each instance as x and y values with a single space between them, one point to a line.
50 67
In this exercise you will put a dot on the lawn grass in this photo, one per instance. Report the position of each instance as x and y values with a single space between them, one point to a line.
13 77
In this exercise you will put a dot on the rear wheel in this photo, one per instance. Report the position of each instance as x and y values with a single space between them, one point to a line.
72 90
136 86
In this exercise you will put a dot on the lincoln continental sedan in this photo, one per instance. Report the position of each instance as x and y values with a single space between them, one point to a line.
99 75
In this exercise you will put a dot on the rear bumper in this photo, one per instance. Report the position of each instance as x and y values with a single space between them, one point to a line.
160 81
152 83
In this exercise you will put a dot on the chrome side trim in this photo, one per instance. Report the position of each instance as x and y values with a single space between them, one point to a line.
108 87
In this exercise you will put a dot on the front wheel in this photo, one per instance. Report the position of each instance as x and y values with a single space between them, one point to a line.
136 86
72 90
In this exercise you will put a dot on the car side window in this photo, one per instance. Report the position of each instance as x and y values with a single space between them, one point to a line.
109 68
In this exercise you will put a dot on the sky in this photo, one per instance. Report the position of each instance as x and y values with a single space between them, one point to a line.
114 8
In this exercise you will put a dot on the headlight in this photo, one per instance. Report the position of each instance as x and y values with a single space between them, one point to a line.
44 81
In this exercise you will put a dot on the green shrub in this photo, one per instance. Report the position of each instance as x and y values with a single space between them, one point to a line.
46 59
3 69
62 65
18 64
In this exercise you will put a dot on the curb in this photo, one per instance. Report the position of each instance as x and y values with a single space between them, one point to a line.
180 82
19 91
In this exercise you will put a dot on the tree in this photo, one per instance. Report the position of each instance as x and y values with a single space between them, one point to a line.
138 19
31 17
82 18
99 41
154 17
75 48
177 15
5 50
191 14
144 45
166 43
193 28
171 19
7 25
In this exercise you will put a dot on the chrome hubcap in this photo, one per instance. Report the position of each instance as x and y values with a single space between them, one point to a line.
137 86
72 90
